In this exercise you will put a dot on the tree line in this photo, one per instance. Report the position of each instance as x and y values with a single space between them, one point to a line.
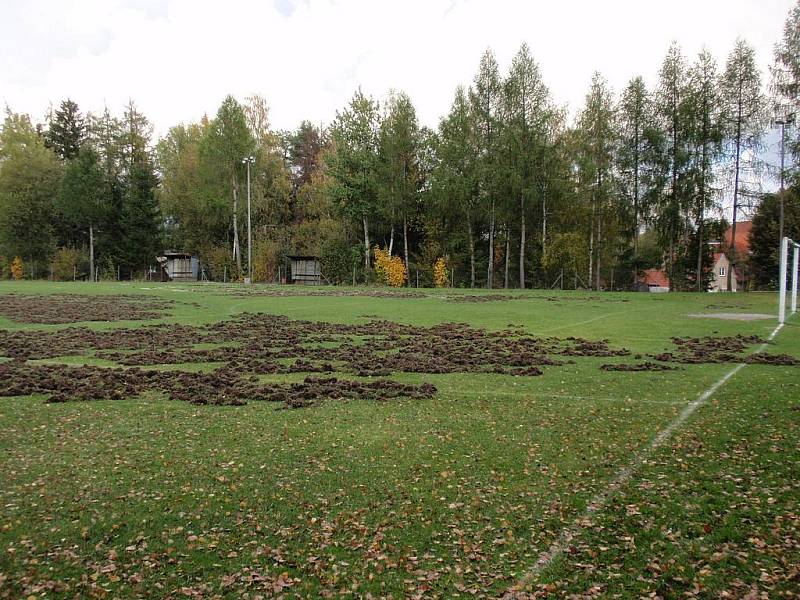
507 191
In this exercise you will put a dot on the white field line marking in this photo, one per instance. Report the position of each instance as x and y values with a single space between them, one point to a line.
537 395
576 324
598 502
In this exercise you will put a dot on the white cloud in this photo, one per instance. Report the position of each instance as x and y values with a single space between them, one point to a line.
178 58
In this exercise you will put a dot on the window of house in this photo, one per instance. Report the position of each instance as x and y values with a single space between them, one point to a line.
722 271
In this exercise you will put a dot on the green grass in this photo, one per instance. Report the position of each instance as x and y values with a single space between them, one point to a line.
459 494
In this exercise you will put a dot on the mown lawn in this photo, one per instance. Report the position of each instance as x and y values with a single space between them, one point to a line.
455 495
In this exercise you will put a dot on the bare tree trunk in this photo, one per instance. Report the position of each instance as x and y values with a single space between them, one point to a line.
636 206
391 239
591 246
237 253
91 252
508 261
544 225
700 215
405 249
732 250
522 241
674 196
471 255
700 287
597 284
366 243
490 269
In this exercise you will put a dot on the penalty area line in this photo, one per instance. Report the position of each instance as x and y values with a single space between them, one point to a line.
623 476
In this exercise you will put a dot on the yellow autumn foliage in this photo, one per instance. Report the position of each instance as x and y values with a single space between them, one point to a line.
440 273
390 270
16 268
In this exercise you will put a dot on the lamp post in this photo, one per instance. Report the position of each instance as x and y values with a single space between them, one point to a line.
249 160
783 122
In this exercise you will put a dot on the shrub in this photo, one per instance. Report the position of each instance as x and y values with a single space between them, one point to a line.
339 258
390 270
266 259
66 262
220 263
16 268
440 273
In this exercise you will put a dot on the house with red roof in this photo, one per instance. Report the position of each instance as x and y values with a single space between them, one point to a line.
742 253
719 275
742 246
654 280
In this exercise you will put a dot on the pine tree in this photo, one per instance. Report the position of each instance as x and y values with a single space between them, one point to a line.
81 199
484 98
105 137
525 131
673 162
635 131
140 216
455 181
705 140
66 131
744 106
596 134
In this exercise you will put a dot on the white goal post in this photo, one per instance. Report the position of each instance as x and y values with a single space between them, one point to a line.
785 243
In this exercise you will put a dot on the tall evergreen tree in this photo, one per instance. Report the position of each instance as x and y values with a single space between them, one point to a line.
105 137
673 162
763 260
485 99
66 130
81 199
305 148
706 145
744 105
596 135
140 221
526 127
455 181
635 131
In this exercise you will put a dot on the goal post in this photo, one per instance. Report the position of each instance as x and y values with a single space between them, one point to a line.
795 256
787 243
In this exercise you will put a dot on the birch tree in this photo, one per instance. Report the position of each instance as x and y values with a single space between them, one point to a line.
353 164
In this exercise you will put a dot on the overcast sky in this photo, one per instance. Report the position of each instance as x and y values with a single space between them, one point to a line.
177 59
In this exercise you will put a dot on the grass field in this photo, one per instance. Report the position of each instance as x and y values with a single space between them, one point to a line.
462 494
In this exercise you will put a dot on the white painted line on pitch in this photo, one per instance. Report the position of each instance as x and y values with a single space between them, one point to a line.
571 325
598 502
538 395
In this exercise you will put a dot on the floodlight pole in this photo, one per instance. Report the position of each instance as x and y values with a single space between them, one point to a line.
248 161
782 280
783 122
795 256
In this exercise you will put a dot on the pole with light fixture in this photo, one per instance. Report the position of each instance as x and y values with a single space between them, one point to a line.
249 160
783 122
